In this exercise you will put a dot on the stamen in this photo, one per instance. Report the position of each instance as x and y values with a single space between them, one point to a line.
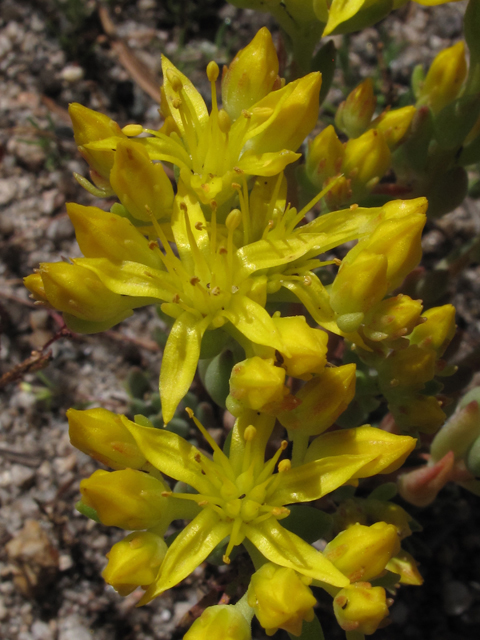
174 80
222 458
234 537
271 464
314 201
284 465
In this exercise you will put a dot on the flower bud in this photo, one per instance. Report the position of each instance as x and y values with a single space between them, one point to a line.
102 435
394 125
142 187
400 241
437 332
134 561
324 157
322 400
418 412
78 292
280 599
355 113
458 433
296 106
366 160
307 347
128 499
444 78
392 318
34 284
410 367
102 234
255 384
360 552
339 194
360 607
220 622
406 566
251 74
361 282
91 126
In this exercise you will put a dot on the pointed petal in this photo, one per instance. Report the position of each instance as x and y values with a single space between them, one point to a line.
188 551
267 164
388 450
315 479
270 253
288 550
195 102
131 278
316 300
180 360
170 454
254 322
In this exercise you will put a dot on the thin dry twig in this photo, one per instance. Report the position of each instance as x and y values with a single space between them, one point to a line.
138 71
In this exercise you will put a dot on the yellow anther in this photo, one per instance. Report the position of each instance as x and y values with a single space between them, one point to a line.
233 220
284 465
132 130
235 185
176 103
189 411
212 71
226 559
238 170
199 226
224 121
193 282
166 494
283 445
246 114
307 281
249 433
174 80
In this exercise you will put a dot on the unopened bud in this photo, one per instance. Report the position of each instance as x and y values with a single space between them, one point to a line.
355 114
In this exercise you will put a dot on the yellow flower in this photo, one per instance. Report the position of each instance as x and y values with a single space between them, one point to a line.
255 384
280 599
257 138
240 496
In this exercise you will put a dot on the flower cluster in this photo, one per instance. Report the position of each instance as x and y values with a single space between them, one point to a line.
229 257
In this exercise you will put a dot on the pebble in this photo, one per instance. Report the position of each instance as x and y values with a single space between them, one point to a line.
8 191
22 476
71 628
41 631
60 229
456 598
72 73
31 156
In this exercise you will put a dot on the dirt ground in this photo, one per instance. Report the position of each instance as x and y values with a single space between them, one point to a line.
53 52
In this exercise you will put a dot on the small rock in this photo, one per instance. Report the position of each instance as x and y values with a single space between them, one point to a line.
71 628
41 631
3 610
8 191
65 562
35 559
22 476
29 155
456 598
72 73
39 319
60 229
